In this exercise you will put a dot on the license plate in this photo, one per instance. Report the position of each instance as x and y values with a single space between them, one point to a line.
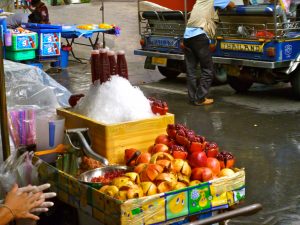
159 61
241 47
232 70
163 42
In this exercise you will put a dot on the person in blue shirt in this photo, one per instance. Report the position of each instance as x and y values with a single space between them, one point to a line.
200 27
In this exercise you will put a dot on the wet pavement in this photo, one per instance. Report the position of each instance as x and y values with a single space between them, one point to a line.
261 128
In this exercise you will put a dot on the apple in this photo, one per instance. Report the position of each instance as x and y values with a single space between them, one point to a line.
202 174
160 148
214 165
198 159
207 174
197 173
162 139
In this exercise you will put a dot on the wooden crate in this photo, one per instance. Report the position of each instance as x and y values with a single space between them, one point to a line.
111 140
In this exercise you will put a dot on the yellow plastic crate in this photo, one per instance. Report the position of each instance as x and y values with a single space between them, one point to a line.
111 140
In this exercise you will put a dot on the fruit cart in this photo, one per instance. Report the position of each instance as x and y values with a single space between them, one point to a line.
167 206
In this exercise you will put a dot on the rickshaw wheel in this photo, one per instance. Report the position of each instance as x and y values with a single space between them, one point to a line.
295 82
239 84
168 72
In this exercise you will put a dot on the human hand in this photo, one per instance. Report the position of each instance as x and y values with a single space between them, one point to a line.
35 189
21 203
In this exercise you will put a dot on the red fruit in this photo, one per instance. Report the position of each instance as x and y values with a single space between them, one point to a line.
160 148
214 165
171 143
197 173
171 130
196 147
198 159
74 99
182 140
128 154
179 155
150 149
207 174
202 173
162 139
212 150
143 158
226 159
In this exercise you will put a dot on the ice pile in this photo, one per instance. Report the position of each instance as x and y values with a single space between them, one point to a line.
114 101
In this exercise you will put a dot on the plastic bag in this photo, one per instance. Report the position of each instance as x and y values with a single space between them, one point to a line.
20 170
29 85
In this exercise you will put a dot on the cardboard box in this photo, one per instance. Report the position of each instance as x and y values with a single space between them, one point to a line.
111 140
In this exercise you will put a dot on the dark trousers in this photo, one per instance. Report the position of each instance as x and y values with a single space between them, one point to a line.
197 51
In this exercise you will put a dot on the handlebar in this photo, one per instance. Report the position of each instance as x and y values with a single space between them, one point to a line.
244 211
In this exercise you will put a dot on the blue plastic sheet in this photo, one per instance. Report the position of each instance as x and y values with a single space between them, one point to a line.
73 32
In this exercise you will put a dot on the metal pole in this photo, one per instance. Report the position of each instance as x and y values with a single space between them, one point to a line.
3 109
275 18
185 11
102 9
139 17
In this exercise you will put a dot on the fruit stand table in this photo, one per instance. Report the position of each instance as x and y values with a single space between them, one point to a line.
70 33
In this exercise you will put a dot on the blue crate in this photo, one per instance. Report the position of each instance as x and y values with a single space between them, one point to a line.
49 38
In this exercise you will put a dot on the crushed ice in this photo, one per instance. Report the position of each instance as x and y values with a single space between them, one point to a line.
114 101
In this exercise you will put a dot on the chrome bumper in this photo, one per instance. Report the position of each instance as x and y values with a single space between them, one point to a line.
159 54
220 60
251 63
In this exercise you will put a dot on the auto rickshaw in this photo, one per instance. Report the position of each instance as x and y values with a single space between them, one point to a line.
255 43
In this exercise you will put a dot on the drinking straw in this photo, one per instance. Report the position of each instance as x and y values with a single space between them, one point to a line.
51 133
13 121
30 126
22 127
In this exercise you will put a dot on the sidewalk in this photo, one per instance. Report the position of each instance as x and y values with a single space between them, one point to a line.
124 15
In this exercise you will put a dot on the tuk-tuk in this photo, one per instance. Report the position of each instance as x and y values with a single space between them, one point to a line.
255 43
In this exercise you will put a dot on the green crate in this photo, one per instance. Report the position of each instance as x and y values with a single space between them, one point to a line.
23 42
21 55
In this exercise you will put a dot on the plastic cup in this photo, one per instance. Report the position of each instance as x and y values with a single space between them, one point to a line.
49 134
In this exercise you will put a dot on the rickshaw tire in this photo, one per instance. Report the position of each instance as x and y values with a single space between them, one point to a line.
295 83
168 72
239 85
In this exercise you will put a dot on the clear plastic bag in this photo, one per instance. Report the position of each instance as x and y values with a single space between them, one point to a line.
29 85
18 169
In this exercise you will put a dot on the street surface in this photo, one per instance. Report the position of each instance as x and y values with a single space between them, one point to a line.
261 128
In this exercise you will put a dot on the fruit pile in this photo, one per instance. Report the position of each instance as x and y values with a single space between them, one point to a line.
177 159
158 106
86 26
105 26
107 177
